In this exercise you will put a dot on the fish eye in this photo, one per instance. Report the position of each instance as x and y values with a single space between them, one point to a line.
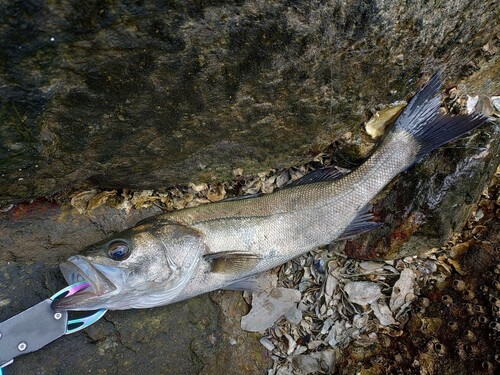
118 250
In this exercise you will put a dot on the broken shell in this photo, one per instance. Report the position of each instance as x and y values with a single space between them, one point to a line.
362 292
267 343
458 285
495 101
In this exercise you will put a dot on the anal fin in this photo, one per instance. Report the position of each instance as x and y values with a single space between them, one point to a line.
232 261
259 282
362 223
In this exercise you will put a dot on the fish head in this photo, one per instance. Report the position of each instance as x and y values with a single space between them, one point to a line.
145 266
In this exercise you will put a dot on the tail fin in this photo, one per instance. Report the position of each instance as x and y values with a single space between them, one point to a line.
431 129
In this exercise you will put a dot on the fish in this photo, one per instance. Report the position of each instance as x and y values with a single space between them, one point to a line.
178 255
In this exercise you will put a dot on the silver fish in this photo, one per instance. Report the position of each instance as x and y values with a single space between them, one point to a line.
178 255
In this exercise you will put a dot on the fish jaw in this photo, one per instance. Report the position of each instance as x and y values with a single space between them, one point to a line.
103 283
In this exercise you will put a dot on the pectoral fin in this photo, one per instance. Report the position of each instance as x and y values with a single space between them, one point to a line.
232 261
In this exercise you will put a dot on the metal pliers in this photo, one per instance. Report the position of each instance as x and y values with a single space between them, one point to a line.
39 325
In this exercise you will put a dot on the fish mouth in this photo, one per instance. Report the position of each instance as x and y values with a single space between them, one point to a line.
77 269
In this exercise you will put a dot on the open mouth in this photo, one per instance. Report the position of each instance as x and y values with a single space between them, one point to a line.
78 269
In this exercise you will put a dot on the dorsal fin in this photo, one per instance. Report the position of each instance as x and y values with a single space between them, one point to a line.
242 197
232 261
319 175
362 223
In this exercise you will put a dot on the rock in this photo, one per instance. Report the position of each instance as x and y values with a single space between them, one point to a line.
423 207
147 95
267 308
100 95
131 340
48 232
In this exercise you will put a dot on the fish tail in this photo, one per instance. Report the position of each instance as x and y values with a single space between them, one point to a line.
429 128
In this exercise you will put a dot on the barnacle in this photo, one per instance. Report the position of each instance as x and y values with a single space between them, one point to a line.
468 294
495 301
439 348
458 285
495 326
479 309
482 319
471 350
470 336
488 367
469 309
496 284
447 300
473 322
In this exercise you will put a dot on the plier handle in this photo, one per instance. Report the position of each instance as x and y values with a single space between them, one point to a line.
39 325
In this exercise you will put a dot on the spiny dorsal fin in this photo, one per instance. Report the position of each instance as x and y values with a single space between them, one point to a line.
242 197
232 261
362 223
319 175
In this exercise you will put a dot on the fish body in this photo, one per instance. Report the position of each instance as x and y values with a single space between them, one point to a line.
178 255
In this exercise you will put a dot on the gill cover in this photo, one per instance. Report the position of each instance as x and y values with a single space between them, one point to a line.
183 249
162 257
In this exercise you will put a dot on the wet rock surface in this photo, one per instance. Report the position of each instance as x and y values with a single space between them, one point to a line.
146 95
192 337
177 339
97 98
